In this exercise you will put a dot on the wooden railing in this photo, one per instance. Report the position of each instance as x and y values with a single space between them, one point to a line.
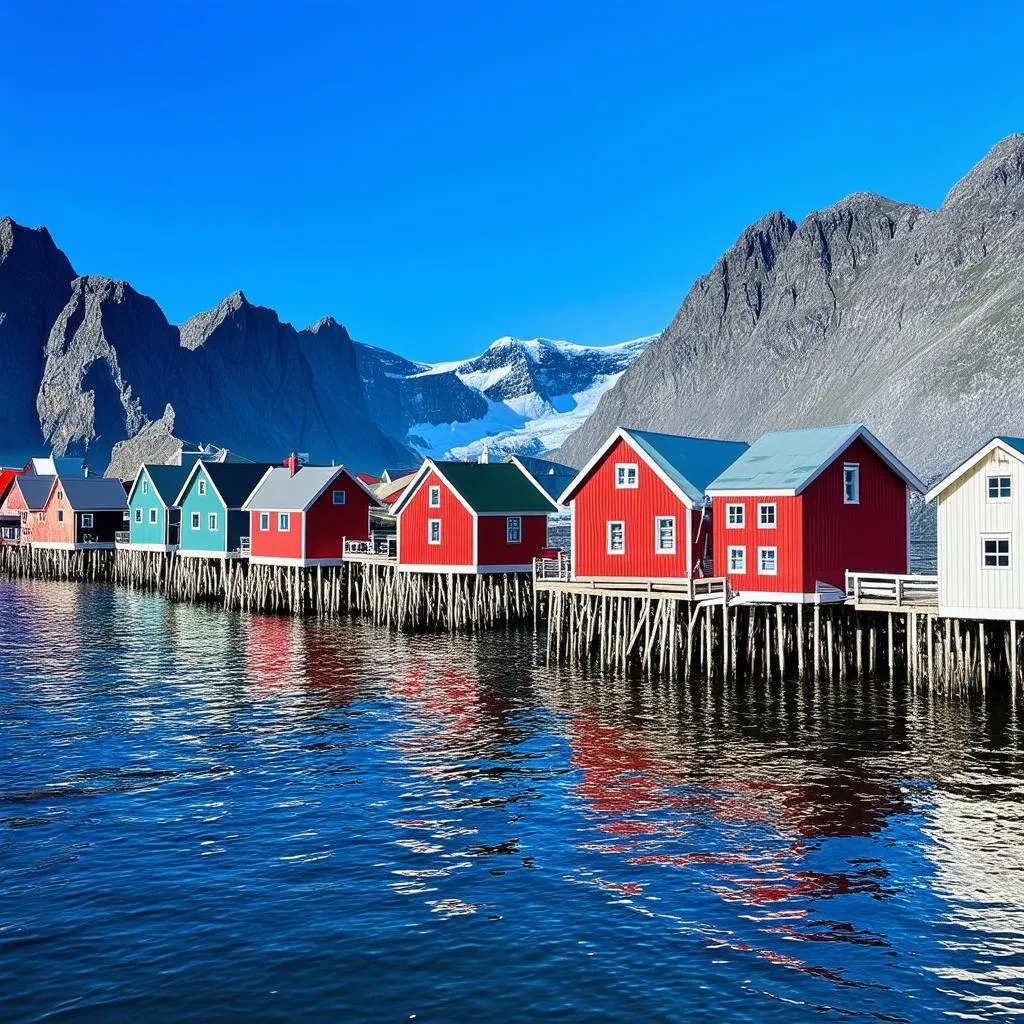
553 569
123 537
376 547
892 590
244 546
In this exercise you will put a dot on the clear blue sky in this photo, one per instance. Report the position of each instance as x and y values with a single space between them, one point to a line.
438 174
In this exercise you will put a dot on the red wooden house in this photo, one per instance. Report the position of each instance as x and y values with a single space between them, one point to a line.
22 505
639 511
302 516
471 517
80 513
802 507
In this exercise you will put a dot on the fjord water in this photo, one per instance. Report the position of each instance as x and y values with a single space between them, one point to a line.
209 817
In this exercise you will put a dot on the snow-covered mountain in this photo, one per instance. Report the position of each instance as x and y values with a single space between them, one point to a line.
524 396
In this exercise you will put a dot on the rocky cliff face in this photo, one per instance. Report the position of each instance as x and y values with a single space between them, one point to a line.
35 280
908 319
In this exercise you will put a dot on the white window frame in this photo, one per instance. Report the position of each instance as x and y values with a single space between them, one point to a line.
998 499
627 476
847 467
88 522
608 537
152 517
60 516
434 496
431 523
138 515
284 522
195 521
264 522
145 487
202 488
763 507
658 549
741 522
761 570
997 537
518 538
732 550
338 497
211 522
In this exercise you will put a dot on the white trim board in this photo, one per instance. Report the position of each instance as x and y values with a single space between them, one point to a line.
946 482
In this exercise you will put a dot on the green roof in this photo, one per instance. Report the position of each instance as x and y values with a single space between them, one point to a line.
493 488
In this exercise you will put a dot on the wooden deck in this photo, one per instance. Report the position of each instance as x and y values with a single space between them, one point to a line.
886 593
555 574
376 551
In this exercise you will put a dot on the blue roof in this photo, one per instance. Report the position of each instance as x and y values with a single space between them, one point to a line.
1014 442
691 463
787 460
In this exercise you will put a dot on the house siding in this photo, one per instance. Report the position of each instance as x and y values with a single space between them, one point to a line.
598 502
143 500
965 515
457 526
328 525
274 542
867 537
787 538
204 539
494 549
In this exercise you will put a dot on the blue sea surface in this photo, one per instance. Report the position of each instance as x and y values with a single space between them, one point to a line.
208 816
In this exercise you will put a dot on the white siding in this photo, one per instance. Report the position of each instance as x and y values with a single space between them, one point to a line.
966 515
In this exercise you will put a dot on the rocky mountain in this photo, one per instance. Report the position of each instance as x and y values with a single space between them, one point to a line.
908 319
523 396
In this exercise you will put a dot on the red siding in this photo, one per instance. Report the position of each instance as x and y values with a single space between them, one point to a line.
494 549
868 537
456 547
786 538
327 524
274 542
598 502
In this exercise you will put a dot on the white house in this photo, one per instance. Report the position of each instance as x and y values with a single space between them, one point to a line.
981 534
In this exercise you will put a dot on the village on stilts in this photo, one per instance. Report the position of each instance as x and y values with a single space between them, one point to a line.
665 556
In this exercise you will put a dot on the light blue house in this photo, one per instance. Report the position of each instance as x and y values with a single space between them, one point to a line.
154 519
211 499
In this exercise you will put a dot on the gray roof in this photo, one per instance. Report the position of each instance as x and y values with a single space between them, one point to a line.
280 491
788 460
690 462
94 493
65 466
34 489
167 481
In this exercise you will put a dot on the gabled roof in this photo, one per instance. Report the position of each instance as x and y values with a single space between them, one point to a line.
1012 445
490 488
786 462
367 478
66 466
233 481
551 477
7 478
167 481
391 475
686 464
280 491
93 493
34 489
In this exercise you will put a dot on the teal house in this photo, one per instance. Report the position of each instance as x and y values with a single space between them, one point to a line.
211 499
154 520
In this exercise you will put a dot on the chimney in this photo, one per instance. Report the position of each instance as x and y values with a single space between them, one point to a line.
292 462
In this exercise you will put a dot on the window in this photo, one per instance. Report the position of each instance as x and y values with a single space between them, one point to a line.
60 516
766 516
86 520
435 497
125 515
152 516
138 515
433 531
734 517
626 475
60 495
145 487
995 552
264 521
998 488
514 529
665 535
616 538
284 522
737 560
851 483
767 561
211 522
202 488
195 520
338 497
